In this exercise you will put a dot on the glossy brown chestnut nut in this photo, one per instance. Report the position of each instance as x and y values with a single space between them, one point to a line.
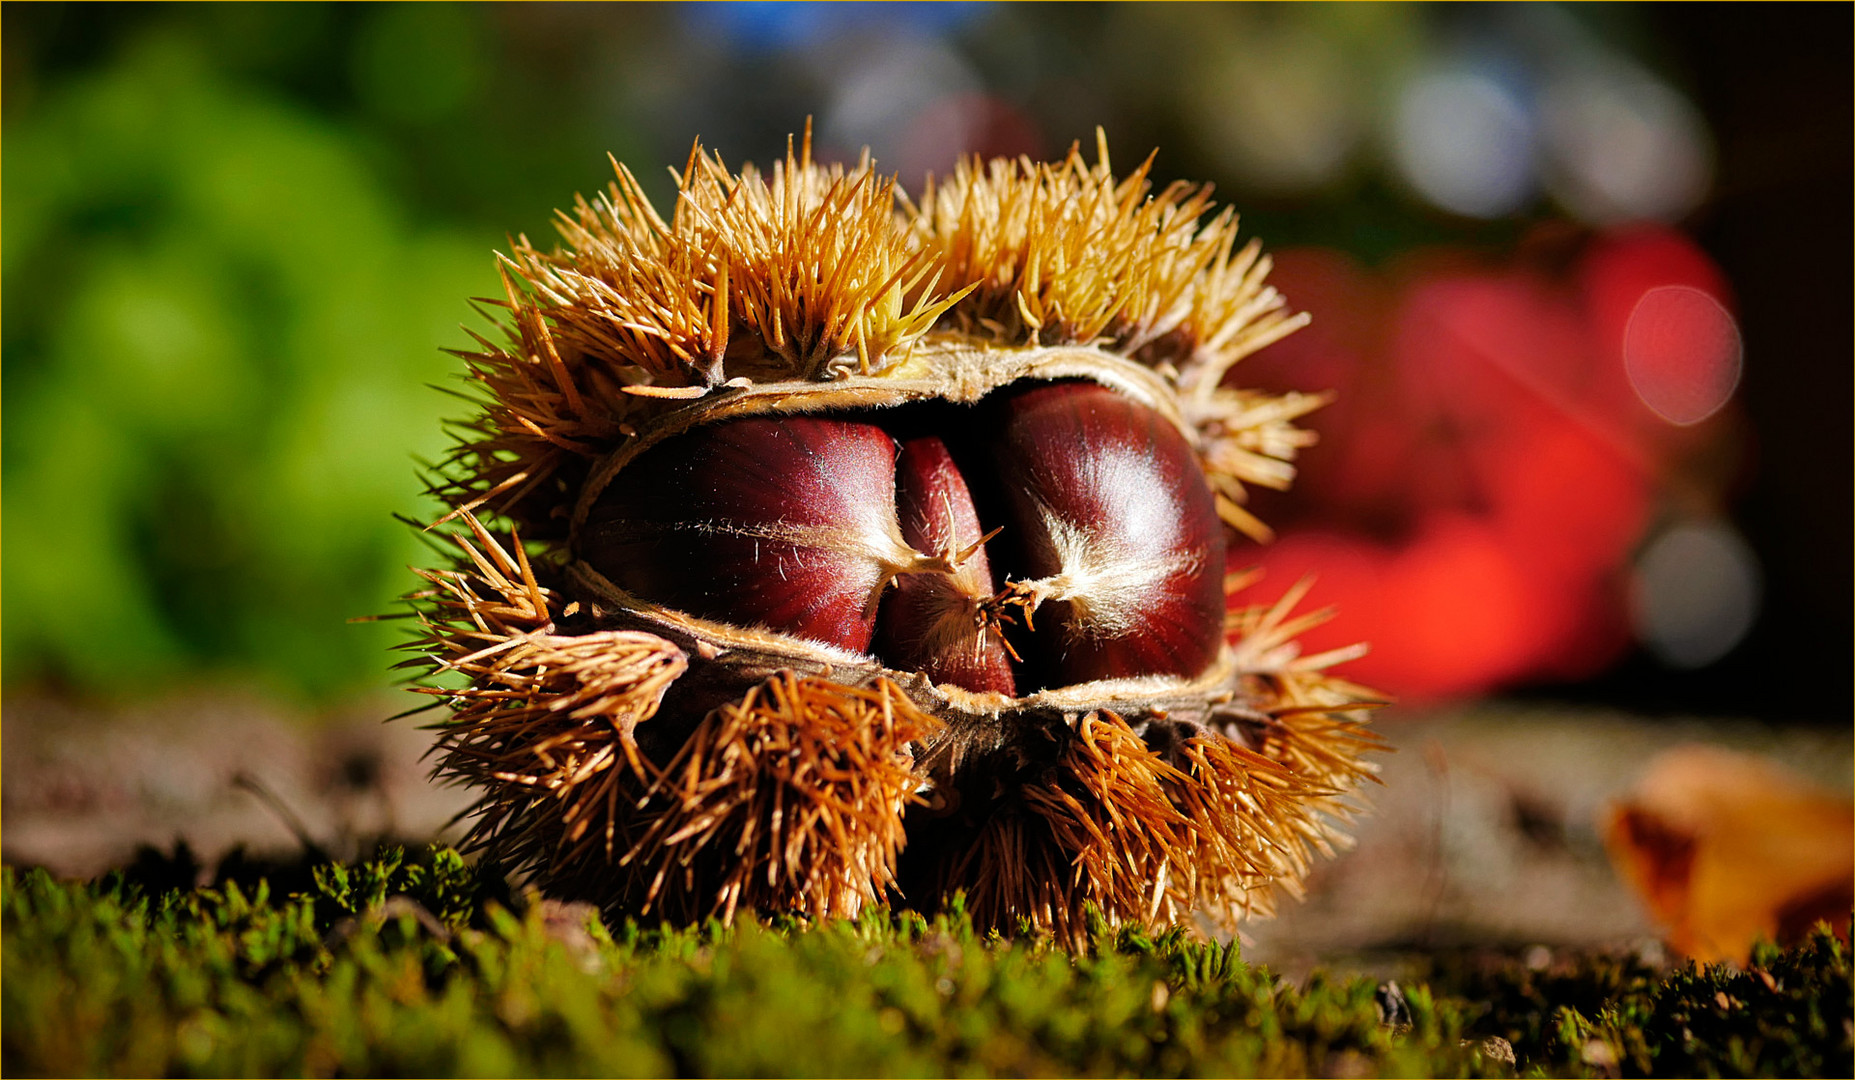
786 523
1122 546
940 624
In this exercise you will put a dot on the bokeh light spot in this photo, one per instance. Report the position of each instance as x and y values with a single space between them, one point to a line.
878 98
1695 592
1285 117
757 25
1625 145
1682 352
1465 143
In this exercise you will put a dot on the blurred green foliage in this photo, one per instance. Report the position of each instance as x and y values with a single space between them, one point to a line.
236 238
429 966
219 331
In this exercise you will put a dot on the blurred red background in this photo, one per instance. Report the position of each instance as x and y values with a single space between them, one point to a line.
1489 469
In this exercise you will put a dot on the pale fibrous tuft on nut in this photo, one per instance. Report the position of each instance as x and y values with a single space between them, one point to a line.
819 547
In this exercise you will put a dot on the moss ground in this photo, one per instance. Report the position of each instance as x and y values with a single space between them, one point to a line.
424 965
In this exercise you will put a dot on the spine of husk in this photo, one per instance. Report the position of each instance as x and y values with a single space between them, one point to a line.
618 762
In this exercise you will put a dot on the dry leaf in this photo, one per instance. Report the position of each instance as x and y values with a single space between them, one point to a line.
1727 848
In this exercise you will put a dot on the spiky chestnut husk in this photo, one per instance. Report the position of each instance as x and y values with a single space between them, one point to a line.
662 759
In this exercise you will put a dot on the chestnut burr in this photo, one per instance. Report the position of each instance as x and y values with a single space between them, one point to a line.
820 546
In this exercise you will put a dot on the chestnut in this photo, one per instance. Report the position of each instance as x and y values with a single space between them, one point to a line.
943 625
801 524
788 523
1123 548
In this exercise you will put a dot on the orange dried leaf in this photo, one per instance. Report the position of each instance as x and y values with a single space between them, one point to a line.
1726 848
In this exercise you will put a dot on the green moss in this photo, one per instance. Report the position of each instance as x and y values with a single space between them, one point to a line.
427 966
1786 1014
